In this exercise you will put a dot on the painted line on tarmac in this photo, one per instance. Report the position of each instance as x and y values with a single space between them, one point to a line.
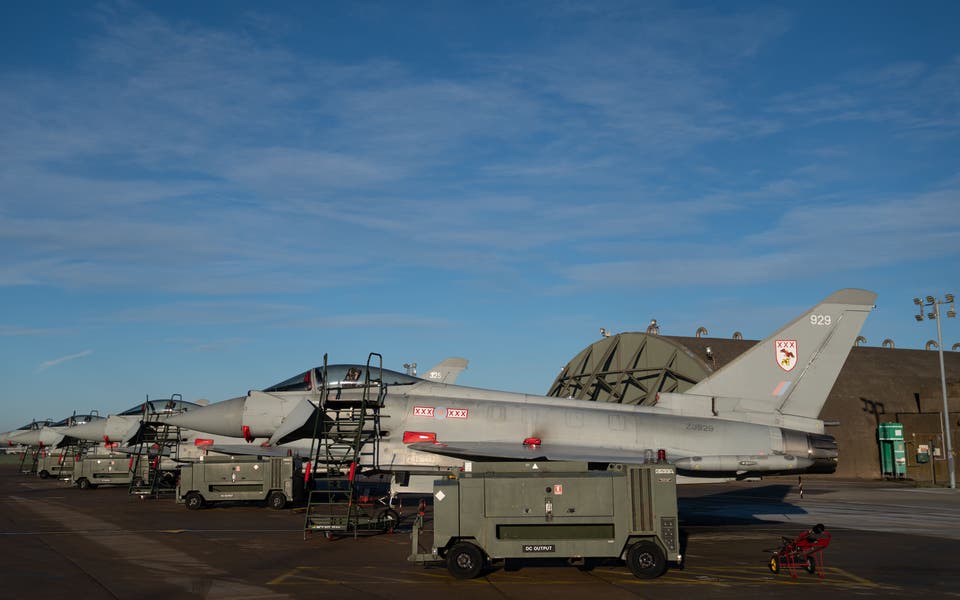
725 577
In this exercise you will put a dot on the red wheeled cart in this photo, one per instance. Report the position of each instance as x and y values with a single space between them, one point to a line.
803 552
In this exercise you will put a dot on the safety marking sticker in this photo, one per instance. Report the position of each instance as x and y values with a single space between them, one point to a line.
456 413
423 411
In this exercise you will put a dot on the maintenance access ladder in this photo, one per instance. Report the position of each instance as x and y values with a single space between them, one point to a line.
347 440
34 459
158 439
68 456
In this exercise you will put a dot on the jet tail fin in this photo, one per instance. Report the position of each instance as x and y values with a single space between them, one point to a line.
792 371
447 371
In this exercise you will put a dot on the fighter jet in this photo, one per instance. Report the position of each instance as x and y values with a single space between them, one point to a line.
12 438
758 415
124 427
52 435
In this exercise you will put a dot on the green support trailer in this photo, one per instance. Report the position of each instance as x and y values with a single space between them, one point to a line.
93 470
276 480
499 511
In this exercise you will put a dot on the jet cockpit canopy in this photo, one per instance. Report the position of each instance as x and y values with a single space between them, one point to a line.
34 425
340 376
77 420
164 406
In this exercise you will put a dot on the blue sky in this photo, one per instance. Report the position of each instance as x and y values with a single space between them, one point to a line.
203 198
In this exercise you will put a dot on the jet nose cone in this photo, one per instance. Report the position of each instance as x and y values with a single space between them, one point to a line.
50 437
220 418
9 438
88 431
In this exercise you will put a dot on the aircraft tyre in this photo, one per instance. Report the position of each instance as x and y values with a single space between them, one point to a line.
464 560
193 501
389 518
646 560
276 500
84 484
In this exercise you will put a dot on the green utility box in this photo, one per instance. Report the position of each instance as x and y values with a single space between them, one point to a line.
278 480
893 452
103 469
498 511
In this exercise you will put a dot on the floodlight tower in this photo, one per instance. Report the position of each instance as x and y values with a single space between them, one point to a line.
935 304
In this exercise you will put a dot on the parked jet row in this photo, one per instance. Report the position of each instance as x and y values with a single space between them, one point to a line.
757 415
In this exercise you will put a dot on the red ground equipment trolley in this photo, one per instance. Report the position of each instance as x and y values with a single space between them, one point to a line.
803 552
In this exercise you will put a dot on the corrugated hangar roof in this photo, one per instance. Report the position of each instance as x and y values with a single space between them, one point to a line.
629 368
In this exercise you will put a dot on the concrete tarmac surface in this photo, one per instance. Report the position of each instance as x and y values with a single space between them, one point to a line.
890 540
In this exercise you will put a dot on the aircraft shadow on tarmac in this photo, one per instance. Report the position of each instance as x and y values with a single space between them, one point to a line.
739 506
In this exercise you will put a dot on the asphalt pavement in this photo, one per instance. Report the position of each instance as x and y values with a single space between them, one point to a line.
890 540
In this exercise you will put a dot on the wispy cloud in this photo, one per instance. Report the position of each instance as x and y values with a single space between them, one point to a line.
912 99
240 159
58 361
380 321
15 331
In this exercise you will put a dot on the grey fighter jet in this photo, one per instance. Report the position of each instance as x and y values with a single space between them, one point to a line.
12 438
123 427
53 435
121 432
758 415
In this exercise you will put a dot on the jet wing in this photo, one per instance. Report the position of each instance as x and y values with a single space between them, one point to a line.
486 451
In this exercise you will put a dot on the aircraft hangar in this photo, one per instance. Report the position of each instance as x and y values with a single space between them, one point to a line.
876 385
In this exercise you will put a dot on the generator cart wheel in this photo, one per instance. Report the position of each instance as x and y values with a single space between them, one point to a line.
464 560
83 483
774 564
276 500
44 474
646 560
811 565
193 501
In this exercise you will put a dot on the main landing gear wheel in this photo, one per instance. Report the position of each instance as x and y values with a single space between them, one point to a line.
389 519
646 560
464 561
